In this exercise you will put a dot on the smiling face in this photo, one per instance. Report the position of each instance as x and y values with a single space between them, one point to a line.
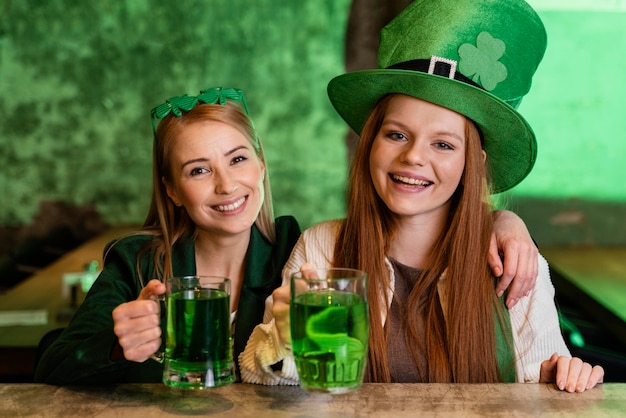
417 158
217 177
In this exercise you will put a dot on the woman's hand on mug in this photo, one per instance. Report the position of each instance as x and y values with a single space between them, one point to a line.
137 324
280 311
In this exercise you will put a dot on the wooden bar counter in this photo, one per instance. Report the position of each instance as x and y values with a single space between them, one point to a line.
372 400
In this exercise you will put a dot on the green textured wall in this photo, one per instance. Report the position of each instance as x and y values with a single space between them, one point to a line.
577 105
576 193
77 81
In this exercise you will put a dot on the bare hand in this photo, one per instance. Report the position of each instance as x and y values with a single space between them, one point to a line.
519 272
280 309
570 374
136 323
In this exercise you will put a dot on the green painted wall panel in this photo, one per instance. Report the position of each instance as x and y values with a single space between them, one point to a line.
78 79
577 107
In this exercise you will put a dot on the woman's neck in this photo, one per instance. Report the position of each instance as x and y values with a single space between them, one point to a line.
415 240
223 256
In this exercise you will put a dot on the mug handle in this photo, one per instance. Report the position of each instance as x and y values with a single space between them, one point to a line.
159 355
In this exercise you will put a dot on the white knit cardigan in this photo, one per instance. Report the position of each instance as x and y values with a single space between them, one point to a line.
534 320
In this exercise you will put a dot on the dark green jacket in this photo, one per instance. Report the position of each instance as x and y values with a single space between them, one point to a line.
81 354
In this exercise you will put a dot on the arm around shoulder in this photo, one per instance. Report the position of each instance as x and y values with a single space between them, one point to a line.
536 328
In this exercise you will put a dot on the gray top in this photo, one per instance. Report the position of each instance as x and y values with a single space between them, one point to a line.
401 363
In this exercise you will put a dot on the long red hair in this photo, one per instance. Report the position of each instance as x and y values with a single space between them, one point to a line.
461 348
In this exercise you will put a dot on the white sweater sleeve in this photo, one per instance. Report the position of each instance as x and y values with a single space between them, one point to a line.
536 330
264 347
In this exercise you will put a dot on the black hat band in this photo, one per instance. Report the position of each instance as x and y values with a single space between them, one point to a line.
436 65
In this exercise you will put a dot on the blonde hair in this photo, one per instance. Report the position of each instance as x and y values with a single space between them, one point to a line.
461 348
169 223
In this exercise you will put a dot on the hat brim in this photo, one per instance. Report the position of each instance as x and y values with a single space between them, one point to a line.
509 141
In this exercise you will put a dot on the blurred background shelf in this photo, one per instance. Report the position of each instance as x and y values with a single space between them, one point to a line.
43 292
590 285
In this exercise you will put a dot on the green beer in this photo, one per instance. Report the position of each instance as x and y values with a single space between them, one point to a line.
329 337
198 349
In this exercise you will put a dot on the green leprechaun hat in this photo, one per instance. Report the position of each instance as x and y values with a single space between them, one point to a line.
476 57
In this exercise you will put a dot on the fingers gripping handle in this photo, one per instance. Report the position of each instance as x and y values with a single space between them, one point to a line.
159 355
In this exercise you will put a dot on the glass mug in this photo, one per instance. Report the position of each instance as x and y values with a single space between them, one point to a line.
198 345
329 328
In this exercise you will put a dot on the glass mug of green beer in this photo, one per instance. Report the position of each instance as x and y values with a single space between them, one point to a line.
198 346
329 328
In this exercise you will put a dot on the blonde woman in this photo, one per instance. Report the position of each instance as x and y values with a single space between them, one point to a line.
211 214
